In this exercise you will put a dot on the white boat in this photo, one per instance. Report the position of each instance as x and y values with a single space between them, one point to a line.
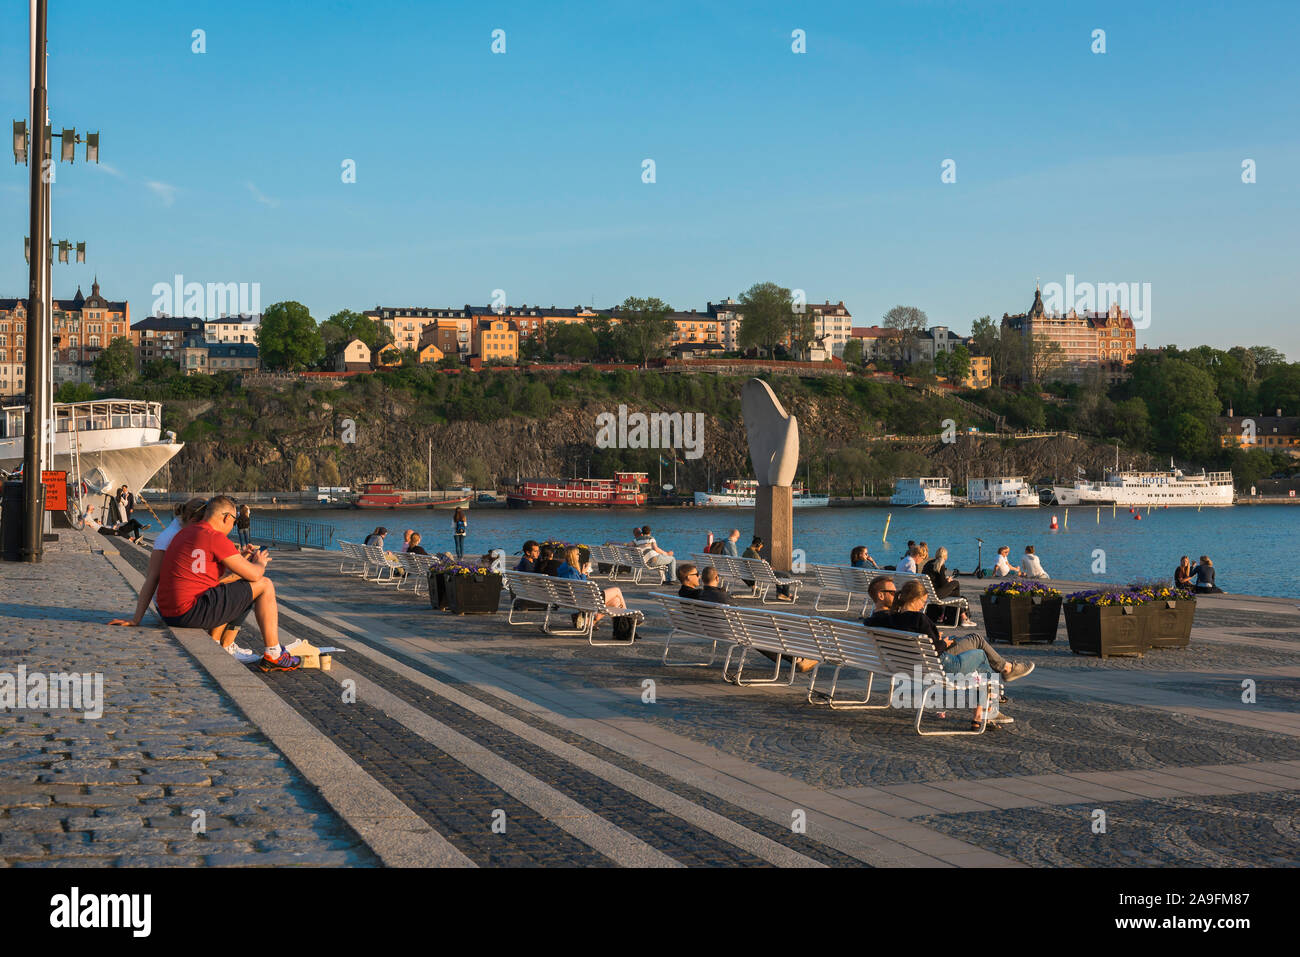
935 491
1008 491
118 442
743 493
1150 488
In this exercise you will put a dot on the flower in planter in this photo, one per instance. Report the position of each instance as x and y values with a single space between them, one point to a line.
1105 598
1022 587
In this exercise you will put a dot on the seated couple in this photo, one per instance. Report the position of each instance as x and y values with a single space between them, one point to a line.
540 559
186 577
903 609
707 586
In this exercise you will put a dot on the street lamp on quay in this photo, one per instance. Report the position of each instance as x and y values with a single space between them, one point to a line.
38 432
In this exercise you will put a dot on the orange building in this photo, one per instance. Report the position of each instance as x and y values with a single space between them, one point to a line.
496 339
1099 340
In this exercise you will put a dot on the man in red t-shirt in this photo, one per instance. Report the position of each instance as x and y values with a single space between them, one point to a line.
190 594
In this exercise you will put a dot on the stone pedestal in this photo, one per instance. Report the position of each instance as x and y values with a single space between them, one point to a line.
774 523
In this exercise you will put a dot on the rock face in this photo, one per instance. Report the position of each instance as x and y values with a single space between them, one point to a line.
292 436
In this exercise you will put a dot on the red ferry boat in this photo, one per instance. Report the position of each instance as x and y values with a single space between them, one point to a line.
384 495
625 488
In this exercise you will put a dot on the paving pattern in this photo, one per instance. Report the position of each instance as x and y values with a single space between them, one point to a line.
122 790
469 721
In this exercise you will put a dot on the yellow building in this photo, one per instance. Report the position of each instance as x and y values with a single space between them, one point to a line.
496 339
431 353
389 355
981 373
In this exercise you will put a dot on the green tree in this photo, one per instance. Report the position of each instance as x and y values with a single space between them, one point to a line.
958 365
329 473
941 364
1266 356
644 328
570 340
1280 390
287 338
74 392
115 365
766 309
852 352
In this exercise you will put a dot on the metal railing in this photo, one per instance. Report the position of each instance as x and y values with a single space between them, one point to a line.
288 531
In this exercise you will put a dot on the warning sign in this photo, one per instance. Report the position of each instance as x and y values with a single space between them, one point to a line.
56 491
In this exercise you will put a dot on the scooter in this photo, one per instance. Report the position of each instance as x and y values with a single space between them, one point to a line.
979 561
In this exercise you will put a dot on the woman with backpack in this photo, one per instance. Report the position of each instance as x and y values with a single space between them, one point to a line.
459 527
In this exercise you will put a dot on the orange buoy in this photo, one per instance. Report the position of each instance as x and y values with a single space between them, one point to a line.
1137 517
1053 523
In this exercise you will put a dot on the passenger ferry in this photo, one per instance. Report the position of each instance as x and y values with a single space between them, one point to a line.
109 442
624 489
743 493
1009 492
1150 488
935 491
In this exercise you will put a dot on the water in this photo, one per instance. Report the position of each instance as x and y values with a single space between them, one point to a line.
1243 541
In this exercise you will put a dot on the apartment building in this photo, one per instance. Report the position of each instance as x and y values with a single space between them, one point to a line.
832 324
496 338
80 328
1096 340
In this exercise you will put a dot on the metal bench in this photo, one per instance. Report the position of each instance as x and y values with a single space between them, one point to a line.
752 573
901 657
635 561
352 555
835 579
582 597
376 556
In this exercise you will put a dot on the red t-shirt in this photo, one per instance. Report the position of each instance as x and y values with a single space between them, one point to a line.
191 566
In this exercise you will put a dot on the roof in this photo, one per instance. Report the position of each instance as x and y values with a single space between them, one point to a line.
1264 424
875 332
233 350
169 324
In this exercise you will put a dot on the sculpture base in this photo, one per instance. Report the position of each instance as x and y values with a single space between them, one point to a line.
774 523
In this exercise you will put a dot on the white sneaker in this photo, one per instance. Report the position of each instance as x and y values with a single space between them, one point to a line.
242 655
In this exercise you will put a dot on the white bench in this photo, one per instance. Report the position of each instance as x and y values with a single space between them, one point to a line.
899 656
583 597
633 559
376 556
835 579
352 555
744 571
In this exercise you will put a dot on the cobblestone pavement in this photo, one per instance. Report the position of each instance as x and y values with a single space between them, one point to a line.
123 789
472 723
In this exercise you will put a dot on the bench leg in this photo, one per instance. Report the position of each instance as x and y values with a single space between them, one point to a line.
931 693
817 605
851 704
713 654
776 674
563 632
510 615
591 631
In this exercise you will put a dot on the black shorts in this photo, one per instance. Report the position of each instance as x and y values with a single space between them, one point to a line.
227 604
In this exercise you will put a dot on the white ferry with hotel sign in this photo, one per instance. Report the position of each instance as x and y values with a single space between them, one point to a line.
1150 488
743 493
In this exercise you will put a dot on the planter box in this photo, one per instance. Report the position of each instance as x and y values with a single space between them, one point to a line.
1169 622
473 595
1020 618
437 590
1106 630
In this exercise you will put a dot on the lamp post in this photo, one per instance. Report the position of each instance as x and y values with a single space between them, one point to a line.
38 432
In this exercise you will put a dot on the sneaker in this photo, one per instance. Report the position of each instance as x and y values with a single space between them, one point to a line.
1018 670
1001 719
286 662
243 655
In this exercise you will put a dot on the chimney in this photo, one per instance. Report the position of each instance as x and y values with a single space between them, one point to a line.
1279 413
1229 411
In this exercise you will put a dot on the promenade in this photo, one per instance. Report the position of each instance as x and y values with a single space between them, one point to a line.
463 741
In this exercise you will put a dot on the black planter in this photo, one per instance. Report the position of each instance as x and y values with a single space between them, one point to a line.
473 594
1020 619
1106 630
437 590
1169 622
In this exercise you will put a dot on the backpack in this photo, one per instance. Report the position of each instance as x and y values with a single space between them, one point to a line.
717 548
624 628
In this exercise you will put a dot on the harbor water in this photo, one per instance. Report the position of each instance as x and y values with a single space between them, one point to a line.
1242 541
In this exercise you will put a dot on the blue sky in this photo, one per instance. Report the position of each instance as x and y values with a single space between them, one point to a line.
820 171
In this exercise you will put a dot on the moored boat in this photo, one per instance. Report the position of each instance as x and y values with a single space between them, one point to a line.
382 495
933 491
743 493
1006 491
624 489
1171 488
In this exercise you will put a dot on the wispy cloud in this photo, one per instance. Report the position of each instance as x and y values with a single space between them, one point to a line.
108 168
262 197
164 191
